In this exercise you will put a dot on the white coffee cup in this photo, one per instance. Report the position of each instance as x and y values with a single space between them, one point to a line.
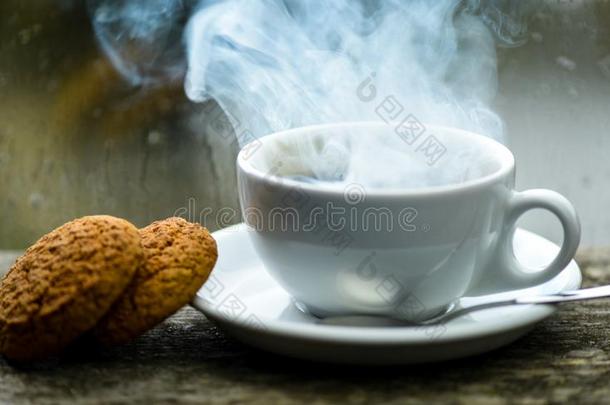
445 241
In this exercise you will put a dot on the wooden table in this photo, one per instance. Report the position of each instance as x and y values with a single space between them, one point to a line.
188 360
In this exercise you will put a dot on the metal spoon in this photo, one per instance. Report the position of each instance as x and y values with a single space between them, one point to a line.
566 296
462 308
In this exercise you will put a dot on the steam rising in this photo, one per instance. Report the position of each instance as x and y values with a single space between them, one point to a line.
279 64
142 38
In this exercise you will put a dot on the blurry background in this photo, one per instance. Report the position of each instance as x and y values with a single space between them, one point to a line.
76 139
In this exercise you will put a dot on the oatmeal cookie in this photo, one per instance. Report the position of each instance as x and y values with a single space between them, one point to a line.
64 284
178 258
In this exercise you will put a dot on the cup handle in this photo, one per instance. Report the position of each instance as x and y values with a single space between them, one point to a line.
514 274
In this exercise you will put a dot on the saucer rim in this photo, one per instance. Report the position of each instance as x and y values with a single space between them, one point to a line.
414 335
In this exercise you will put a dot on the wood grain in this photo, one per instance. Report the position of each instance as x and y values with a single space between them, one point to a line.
188 360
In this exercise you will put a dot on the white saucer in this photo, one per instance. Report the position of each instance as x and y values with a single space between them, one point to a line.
246 302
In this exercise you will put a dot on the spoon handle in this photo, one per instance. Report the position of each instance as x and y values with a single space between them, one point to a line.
565 296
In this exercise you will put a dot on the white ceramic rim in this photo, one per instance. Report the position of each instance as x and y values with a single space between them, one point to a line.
505 157
523 317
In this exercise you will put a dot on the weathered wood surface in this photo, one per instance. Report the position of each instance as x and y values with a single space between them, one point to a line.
188 360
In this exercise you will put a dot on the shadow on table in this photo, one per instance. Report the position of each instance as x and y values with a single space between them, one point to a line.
188 344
